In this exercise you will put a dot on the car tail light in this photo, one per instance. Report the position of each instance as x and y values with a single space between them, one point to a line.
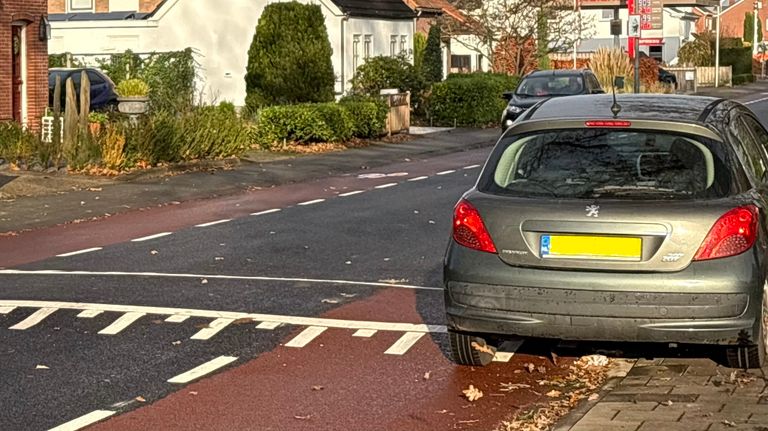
469 229
734 233
608 123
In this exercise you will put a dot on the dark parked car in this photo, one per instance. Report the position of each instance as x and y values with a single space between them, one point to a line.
667 77
540 85
647 226
103 95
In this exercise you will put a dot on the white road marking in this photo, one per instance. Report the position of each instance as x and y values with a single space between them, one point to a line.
385 186
89 314
471 166
266 212
6 310
35 318
290 320
404 343
356 192
503 356
752 102
122 322
510 347
306 336
83 421
176 318
212 329
213 223
418 178
364 333
199 371
268 325
217 277
155 236
316 201
446 172
74 253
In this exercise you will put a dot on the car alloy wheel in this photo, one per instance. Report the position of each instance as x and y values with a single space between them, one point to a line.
470 349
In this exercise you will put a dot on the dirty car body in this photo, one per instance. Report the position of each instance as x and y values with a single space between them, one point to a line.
645 227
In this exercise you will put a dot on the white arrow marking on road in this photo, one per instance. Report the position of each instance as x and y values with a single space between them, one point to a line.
202 370
364 333
215 277
35 318
306 336
89 314
404 343
155 236
121 323
266 212
84 421
212 329
74 253
176 318
268 325
6 310
213 223
290 320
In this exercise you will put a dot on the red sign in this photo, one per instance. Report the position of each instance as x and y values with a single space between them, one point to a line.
651 41
632 6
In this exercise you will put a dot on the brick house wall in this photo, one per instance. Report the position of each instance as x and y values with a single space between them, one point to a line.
29 12
732 19
60 6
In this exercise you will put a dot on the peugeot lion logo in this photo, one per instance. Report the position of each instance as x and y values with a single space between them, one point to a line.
593 210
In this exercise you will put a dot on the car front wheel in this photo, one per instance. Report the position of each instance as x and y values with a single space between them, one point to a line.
470 349
754 355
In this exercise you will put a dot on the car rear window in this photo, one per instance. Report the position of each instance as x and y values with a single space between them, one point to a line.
608 163
544 86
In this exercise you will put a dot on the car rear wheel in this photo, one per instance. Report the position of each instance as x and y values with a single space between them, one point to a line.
754 355
470 349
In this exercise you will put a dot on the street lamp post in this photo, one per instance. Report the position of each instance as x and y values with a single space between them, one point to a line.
754 28
717 46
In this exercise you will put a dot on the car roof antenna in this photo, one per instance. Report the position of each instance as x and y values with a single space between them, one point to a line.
616 108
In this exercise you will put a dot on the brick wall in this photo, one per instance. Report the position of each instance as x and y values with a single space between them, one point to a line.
30 12
102 6
60 6
732 20
148 5
57 6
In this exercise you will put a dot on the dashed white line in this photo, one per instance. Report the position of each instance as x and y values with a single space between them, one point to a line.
356 192
84 421
446 172
216 277
306 336
274 210
202 370
74 253
213 223
268 325
122 322
364 333
471 166
34 318
6 310
385 186
155 236
212 329
752 102
418 178
176 318
89 314
404 343
316 201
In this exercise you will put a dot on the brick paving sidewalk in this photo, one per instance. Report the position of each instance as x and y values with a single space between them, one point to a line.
677 395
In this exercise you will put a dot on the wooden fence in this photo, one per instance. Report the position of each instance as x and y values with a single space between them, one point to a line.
399 116
705 76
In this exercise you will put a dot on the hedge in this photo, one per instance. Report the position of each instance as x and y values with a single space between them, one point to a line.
319 122
740 59
470 100
743 79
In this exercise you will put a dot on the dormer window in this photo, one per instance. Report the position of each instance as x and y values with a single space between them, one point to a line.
80 5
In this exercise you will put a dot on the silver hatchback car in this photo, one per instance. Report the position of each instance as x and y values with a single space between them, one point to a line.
641 220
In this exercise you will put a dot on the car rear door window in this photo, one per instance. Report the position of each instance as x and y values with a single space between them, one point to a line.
747 145
95 78
608 163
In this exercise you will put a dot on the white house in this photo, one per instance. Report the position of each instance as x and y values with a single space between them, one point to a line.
221 32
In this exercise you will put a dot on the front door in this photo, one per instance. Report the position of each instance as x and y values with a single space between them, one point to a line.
17 80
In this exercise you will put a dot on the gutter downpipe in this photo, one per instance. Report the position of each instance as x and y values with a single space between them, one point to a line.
344 20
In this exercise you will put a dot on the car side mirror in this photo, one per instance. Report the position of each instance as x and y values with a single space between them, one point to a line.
618 82
507 95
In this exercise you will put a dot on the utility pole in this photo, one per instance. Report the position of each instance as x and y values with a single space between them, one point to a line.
717 46
616 37
754 28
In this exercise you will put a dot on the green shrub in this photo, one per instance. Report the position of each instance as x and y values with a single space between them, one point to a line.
381 72
743 79
369 116
471 100
289 60
740 59
419 47
433 56
16 143
304 123
132 88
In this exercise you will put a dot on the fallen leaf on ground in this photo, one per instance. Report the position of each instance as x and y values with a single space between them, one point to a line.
317 388
153 252
542 369
442 412
472 393
42 367
393 281
509 387
192 392
554 358
94 189
218 258
242 321
594 360
426 375
594 397
329 301
176 343
348 295
554 394
140 399
729 423
302 418
667 403
530 367
204 281
480 348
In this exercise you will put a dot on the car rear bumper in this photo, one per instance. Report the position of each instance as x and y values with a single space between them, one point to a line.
489 296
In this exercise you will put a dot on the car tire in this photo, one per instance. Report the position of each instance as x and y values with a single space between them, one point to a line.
754 355
470 349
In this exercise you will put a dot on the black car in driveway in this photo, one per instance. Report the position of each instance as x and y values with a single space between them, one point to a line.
647 223
103 94
540 85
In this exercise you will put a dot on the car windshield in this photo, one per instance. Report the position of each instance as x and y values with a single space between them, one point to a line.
547 86
609 163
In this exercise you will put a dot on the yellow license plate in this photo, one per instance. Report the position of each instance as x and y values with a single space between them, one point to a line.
591 247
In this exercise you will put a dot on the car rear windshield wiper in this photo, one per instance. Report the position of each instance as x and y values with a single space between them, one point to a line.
636 190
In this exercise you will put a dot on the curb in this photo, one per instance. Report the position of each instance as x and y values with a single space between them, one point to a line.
178 168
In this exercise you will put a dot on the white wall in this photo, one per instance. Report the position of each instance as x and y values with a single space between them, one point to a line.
471 46
381 32
221 41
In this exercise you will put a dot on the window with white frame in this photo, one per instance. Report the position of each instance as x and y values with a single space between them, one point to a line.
479 65
80 5
607 15
355 51
393 45
367 47
404 45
